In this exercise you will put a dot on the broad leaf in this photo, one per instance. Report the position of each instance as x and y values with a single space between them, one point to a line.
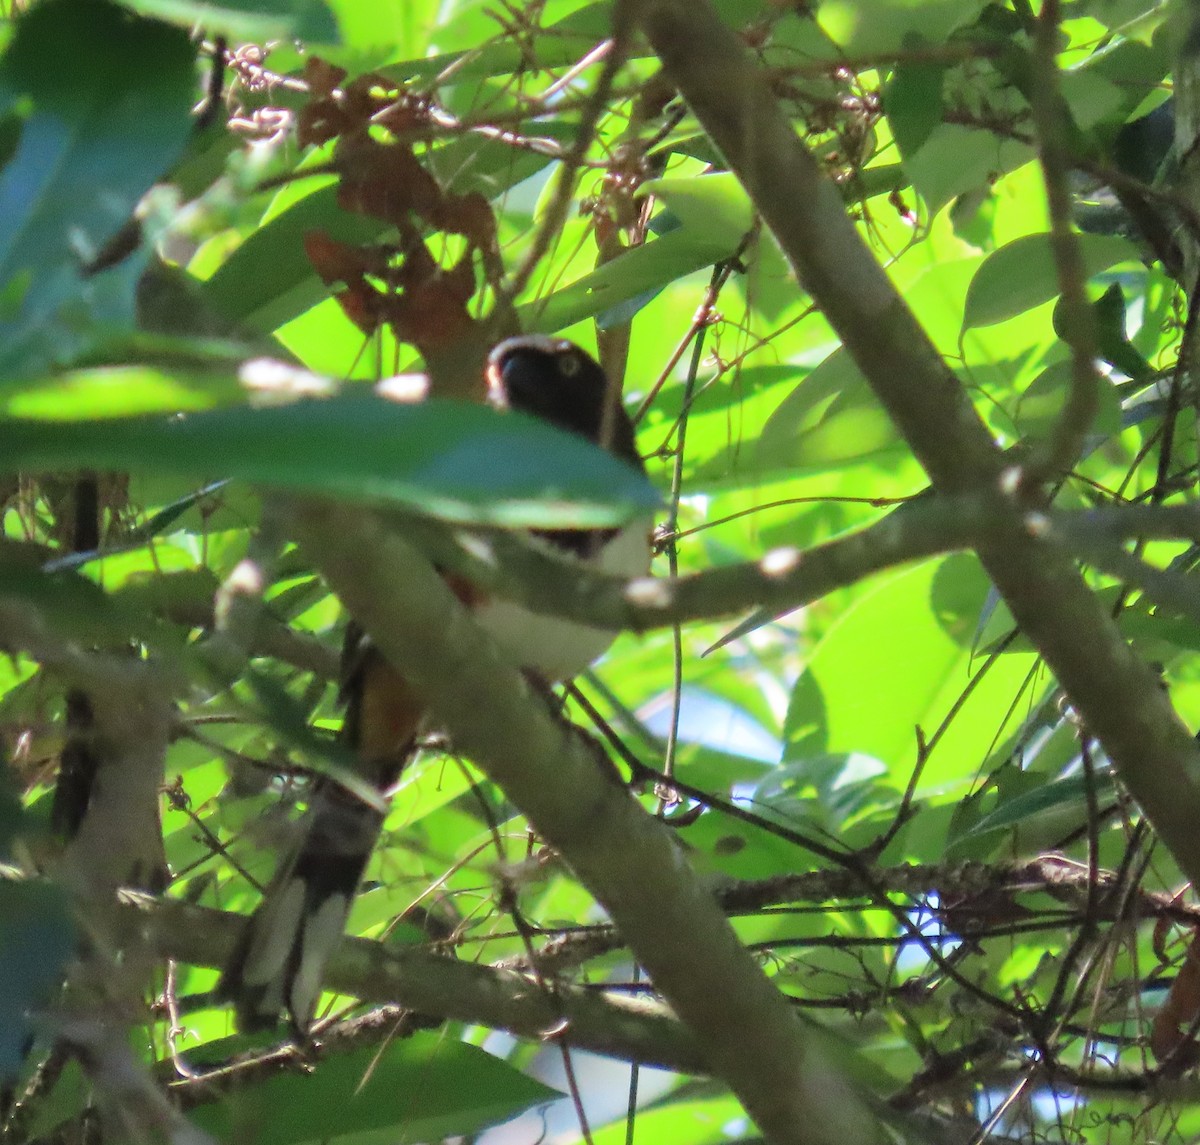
100 132
1022 275
248 20
458 460
36 941
422 1088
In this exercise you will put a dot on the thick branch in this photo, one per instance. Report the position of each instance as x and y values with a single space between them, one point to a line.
621 1027
508 565
784 579
778 1067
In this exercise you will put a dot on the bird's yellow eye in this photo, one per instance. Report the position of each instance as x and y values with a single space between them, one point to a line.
569 364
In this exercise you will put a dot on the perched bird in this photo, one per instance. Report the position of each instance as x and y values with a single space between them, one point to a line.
278 965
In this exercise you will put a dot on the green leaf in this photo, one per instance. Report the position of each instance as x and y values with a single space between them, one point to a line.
1046 799
714 208
118 391
955 159
929 615
386 29
714 214
36 941
100 132
1114 344
1091 98
268 279
1021 275
1138 67
913 99
423 1088
693 1120
458 460
1042 403
248 20
830 418
887 25
561 45
74 606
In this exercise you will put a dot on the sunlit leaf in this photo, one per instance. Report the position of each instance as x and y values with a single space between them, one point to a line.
929 614
955 160
1022 275
118 391
250 20
715 217
422 1088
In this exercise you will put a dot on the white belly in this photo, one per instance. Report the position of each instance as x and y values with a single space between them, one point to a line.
559 649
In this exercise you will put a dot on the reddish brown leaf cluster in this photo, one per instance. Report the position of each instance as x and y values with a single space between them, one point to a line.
398 285
1173 1032
422 302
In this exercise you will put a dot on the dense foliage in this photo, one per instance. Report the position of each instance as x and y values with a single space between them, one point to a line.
914 705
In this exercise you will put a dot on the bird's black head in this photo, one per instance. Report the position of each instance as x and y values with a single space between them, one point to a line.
555 380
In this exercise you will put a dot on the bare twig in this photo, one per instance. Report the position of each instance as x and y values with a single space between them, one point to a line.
1051 118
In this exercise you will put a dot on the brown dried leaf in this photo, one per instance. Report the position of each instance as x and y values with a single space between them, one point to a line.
467 215
323 117
384 181
343 111
1179 1012
430 307
337 262
322 77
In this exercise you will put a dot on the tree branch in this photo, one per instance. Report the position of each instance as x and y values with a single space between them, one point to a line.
781 1069
626 1028
508 565
1119 697
1052 119
784 579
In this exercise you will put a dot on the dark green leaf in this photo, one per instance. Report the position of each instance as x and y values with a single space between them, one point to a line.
1044 799
75 606
100 132
1115 347
913 100
10 810
35 942
454 459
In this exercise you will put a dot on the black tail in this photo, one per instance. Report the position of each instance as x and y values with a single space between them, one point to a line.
278 965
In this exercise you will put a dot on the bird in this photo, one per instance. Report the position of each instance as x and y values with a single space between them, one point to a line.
277 966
